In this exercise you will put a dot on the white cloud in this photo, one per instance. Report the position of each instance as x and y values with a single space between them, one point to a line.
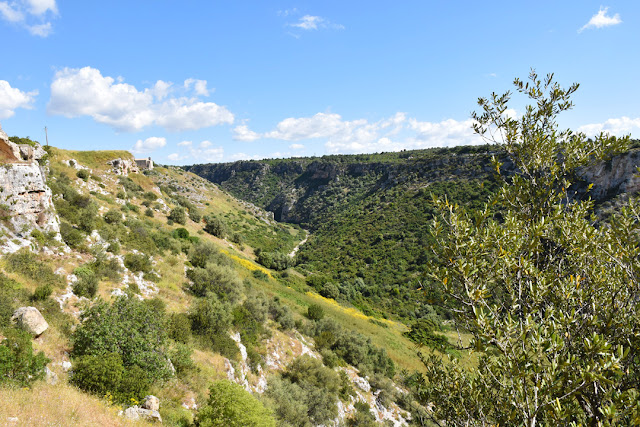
149 144
33 15
618 126
310 22
12 98
199 86
600 20
243 133
394 133
39 7
10 13
42 30
175 157
203 152
86 92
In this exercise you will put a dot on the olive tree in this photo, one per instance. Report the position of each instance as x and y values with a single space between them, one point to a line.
548 293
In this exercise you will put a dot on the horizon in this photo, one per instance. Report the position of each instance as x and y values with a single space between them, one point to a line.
207 83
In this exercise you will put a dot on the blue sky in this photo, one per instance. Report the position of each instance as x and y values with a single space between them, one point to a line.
211 81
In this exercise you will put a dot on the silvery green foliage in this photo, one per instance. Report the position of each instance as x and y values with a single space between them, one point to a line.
549 295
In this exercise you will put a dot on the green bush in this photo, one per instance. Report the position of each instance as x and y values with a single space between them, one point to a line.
137 262
315 312
178 215
129 328
42 292
19 366
215 226
230 405
195 215
221 280
148 212
205 252
180 356
106 375
83 174
70 235
87 284
112 216
27 264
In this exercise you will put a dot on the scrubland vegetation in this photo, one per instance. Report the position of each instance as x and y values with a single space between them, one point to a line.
489 294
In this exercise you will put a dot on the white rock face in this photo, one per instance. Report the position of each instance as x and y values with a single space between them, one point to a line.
137 413
26 199
30 319
123 166
151 402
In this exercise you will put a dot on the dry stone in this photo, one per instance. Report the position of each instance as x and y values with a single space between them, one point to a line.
151 402
137 413
30 319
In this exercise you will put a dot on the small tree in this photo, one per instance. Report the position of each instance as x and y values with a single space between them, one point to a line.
178 215
548 294
229 405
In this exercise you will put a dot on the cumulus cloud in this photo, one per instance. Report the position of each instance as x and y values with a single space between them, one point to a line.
32 15
243 133
310 22
85 91
148 145
12 98
199 86
394 133
204 151
617 126
601 20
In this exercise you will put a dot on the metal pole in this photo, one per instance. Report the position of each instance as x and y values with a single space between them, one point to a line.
46 135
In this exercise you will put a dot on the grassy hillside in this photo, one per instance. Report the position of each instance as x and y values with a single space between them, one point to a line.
183 252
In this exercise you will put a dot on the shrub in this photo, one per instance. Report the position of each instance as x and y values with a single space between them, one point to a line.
112 216
230 405
180 356
83 174
150 196
19 366
221 280
315 312
137 262
87 284
42 292
215 226
178 215
129 328
195 215
148 212
26 263
330 290
106 374
70 235
275 260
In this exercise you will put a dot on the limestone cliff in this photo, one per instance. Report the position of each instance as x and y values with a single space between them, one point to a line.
25 199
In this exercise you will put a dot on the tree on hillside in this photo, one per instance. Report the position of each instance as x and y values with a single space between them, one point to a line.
548 294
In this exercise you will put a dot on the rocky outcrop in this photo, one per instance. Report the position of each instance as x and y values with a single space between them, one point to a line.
616 176
123 166
151 403
138 413
25 199
30 320
19 152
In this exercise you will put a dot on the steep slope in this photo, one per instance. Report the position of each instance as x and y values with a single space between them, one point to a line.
141 243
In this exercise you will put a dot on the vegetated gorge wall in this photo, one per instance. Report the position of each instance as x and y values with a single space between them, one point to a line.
284 187
25 199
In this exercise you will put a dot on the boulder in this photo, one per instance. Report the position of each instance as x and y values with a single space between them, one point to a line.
30 319
50 376
137 413
151 402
